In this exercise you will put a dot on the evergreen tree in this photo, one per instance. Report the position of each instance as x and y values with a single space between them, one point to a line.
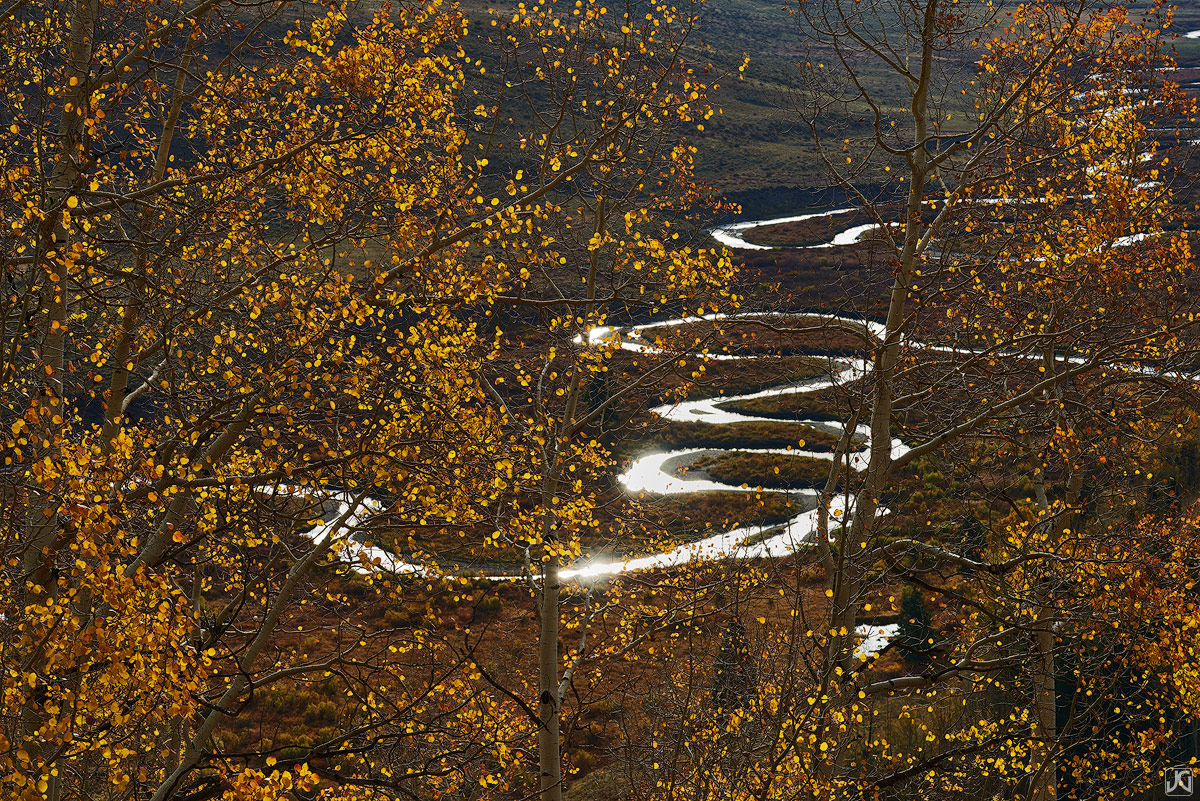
733 680
916 638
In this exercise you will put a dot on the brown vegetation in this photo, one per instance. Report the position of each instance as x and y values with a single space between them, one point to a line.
767 470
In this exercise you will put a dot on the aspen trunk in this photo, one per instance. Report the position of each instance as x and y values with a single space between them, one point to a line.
549 746
50 266
1045 773
549 692
50 262
119 385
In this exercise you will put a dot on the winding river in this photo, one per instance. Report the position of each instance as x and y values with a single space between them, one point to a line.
655 473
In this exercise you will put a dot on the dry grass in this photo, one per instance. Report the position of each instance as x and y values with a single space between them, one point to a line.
767 470
831 404
674 436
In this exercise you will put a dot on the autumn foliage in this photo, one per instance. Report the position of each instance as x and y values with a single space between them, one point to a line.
300 308
253 264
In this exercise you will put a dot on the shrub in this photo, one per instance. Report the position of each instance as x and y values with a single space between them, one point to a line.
321 712
490 605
